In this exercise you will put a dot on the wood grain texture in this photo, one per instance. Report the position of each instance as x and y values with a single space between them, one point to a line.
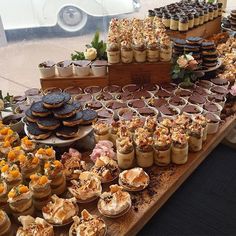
166 181
206 30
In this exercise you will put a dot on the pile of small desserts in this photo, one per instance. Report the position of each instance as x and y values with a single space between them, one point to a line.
230 21
185 15
203 51
70 68
137 40
57 114
34 183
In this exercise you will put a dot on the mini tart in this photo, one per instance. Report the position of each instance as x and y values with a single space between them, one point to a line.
36 133
13 155
46 154
60 211
72 164
114 203
48 123
29 116
39 110
20 199
53 100
87 188
73 121
5 224
67 132
41 190
106 168
27 145
5 148
89 116
34 227
64 112
87 224
135 179
3 195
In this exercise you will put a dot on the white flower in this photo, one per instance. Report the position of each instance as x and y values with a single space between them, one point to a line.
189 57
182 62
90 54
1 105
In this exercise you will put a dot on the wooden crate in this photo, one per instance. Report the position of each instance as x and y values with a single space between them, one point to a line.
139 73
64 82
205 31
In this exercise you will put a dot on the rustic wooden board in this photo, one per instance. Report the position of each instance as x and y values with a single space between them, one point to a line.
139 73
206 30
64 82
164 181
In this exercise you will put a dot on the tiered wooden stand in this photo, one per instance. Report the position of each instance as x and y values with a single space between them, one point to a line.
164 182
205 31
120 74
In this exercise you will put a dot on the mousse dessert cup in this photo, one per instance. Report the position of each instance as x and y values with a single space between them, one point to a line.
99 68
82 67
195 133
153 50
162 149
125 153
179 149
213 108
47 69
192 110
139 49
168 111
165 48
177 101
113 52
127 53
213 123
65 68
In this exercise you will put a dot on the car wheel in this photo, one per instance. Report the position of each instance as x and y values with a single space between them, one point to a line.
72 19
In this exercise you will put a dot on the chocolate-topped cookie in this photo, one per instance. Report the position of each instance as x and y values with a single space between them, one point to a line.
36 133
77 105
38 109
53 100
88 116
30 117
48 123
65 111
65 132
74 120
67 97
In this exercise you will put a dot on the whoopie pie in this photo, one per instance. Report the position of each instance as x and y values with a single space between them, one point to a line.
39 110
53 100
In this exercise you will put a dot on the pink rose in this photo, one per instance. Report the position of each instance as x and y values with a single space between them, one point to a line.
182 62
192 64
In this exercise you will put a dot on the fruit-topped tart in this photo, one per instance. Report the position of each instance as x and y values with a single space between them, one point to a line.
27 145
10 173
46 154
106 168
87 188
3 196
87 224
5 148
55 172
20 200
41 190
73 164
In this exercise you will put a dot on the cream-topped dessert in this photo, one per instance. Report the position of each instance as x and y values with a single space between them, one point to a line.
201 120
88 187
14 153
101 130
87 224
60 211
134 179
115 202
5 148
106 168
5 223
46 154
195 133
27 145
34 227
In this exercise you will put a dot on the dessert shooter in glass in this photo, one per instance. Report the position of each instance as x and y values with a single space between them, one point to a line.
201 120
195 133
165 48
125 153
101 130
153 49
139 48
127 53
162 148
179 148
113 50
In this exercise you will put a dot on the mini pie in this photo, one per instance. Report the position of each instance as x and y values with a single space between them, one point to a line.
134 179
106 168
114 203
60 211
87 224
34 227
87 187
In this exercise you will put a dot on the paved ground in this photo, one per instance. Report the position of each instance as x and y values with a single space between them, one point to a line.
27 48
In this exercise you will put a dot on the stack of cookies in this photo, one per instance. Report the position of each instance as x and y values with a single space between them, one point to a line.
193 47
178 48
233 20
209 54
57 114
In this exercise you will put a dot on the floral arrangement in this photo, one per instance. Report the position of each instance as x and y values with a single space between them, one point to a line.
5 102
95 50
183 70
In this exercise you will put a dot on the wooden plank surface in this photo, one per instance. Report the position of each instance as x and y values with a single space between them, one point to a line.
164 181
206 30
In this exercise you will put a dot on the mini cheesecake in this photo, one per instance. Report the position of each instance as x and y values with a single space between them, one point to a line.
36 133
150 87
219 90
169 87
53 100
211 107
177 101
168 111
194 41
64 112
126 113
30 117
39 110
89 116
48 123
83 98
75 120
67 132
191 109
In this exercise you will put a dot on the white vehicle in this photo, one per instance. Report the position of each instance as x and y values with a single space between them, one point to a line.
70 15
